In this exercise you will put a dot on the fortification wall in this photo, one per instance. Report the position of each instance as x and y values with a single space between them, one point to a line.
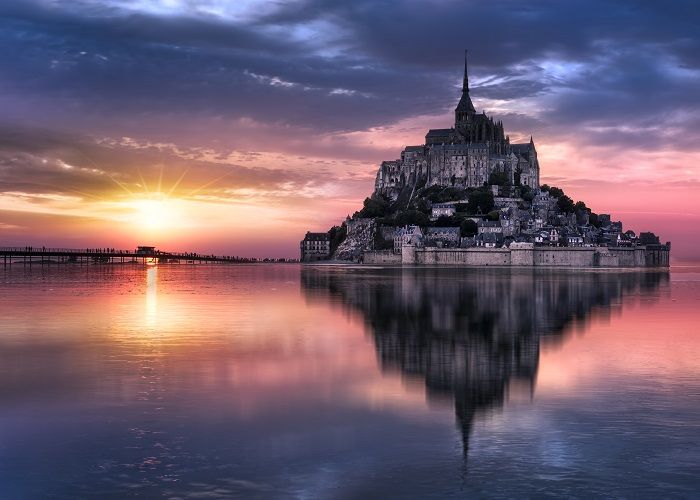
566 257
628 257
381 257
522 254
462 256
526 255
657 255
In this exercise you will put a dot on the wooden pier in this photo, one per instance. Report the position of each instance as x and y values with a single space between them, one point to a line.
37 256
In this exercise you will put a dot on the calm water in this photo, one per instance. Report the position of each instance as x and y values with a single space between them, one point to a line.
326 382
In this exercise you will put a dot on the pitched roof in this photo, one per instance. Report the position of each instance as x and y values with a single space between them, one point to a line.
490 237
520 148
317 236
432 231
439 132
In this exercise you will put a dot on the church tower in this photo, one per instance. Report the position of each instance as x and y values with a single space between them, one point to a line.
464 112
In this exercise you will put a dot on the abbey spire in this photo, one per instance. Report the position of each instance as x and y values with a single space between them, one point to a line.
465 108
465 82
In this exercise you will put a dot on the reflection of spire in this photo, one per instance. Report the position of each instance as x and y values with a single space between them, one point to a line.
470 338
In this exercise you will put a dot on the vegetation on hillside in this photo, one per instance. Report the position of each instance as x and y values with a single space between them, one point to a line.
413 207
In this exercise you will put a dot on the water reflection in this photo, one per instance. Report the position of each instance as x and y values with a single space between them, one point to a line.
472 335
151 296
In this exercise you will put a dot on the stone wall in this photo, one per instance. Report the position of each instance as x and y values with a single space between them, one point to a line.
564 257
381 257
462 256
526 255
522 254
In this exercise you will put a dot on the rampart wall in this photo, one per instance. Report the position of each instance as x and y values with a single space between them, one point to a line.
525 254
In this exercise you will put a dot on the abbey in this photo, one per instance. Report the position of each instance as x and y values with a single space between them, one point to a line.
464 156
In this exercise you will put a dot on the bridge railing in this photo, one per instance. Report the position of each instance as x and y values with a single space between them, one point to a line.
32 249
108 251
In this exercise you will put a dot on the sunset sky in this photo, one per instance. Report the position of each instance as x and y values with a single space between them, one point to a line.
235 126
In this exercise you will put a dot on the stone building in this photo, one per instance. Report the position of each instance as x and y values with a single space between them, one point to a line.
408 235
464 155
315 246
443 237
442 210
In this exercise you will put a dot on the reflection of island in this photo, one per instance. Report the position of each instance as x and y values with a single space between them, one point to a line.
470 332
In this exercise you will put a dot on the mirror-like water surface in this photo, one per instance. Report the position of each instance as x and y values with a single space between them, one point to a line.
326 382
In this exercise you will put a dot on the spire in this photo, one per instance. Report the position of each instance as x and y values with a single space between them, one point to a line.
465 83
465 107
531 141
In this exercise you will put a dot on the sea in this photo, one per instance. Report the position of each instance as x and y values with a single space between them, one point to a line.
290 381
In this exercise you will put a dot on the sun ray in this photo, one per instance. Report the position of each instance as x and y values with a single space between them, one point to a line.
111 177
207 184
160 178
143 181
177 182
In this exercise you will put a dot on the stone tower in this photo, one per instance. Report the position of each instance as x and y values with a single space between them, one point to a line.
464 112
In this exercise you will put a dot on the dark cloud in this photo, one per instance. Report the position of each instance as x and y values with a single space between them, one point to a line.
314 68
39 162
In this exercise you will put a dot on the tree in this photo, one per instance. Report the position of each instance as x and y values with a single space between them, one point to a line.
380 243
447 221
581 207
556 192
494 215
422 205
565 204
480 201
411 217
468 228
376 206
527 193
498 178
337 235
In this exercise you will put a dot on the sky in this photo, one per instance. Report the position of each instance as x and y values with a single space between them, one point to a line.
233 127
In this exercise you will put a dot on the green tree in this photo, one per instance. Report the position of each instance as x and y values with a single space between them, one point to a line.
337 235
494 215
527 193
565 204
411 217
380 243
556 192
468 228
422 205
376 206
498 178
447 221
480 201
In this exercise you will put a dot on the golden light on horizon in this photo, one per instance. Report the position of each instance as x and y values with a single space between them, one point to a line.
155 214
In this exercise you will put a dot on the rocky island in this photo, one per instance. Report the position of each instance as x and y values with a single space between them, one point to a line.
468 196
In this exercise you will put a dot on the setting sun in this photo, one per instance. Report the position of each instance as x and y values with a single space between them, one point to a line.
155 214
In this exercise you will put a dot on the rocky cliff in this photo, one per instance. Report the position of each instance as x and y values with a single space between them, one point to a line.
360 238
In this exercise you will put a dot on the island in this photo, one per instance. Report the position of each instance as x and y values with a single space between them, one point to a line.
468 196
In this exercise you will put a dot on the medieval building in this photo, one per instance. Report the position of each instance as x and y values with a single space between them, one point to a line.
463 156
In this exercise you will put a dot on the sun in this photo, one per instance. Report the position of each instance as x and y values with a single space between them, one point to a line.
155 213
